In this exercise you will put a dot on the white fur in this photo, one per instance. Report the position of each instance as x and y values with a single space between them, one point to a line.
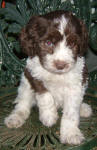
24 101
64 89
62 24
85 110
47 109
70 133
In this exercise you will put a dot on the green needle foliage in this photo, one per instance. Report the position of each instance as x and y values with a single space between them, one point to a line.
14 16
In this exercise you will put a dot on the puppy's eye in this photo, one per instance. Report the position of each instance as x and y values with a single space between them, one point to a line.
49 43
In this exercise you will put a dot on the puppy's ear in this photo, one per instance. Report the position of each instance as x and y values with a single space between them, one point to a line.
84 39
25 40
31 33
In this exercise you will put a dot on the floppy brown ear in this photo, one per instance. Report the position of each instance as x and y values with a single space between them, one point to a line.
31 33
84 38
26 41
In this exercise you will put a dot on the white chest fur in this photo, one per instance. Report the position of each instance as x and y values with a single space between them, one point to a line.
57 85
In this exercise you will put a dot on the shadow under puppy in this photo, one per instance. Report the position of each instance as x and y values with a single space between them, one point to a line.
55 74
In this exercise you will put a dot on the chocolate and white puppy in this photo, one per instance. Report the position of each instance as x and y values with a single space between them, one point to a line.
55 74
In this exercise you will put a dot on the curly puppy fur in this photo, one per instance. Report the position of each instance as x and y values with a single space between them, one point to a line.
55 74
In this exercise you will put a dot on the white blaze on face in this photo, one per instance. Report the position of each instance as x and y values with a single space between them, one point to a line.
63 52
62 24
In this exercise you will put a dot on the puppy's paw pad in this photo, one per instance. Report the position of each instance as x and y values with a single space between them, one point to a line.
13 121
85 110
73 137
48 118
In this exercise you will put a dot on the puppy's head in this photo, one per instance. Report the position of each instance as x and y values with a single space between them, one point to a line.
57 38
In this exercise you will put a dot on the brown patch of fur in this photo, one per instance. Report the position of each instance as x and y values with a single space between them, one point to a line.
73 41
54 37
77 36
31 34
55 14
35 84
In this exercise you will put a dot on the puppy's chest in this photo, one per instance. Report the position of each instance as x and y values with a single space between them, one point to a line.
55 84
60 83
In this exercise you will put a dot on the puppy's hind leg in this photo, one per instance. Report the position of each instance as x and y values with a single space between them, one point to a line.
85 110
24 101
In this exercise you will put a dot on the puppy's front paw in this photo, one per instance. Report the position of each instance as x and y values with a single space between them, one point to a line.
48 118
71 136
14 121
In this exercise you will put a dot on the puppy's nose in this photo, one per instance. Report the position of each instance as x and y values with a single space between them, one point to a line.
60 65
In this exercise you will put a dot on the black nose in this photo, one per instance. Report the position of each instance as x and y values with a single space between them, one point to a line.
60 65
